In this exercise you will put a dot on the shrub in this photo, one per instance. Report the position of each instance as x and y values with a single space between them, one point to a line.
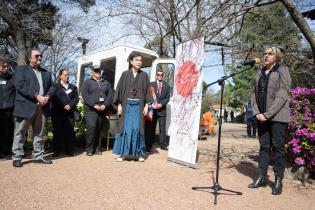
301 144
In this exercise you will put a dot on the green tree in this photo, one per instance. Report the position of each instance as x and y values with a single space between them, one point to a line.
29 23
209 98
263 27
25 24
272 26
268 26
238 91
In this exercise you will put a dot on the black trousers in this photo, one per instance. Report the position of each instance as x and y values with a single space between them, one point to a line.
150 128
94 122
64 135
272 134
6 130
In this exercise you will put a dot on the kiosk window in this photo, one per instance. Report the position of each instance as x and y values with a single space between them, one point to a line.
108 67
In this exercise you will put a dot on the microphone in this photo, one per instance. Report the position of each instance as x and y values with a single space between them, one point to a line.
249 62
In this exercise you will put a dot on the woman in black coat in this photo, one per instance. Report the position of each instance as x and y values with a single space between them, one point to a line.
7 95
63 105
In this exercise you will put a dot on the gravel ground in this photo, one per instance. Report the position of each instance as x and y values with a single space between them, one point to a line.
98 182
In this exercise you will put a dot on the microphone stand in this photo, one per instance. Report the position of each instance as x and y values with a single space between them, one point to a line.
216 187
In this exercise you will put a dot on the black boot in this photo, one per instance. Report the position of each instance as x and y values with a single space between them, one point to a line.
277 188
260 182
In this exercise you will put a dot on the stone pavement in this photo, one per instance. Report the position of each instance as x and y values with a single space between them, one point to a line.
98 182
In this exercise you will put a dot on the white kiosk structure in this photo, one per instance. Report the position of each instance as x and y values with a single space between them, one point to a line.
113 61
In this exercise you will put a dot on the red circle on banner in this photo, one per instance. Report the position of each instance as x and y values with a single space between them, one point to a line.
186 78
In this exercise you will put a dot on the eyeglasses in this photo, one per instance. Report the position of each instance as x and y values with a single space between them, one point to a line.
38 55
268 53
159 74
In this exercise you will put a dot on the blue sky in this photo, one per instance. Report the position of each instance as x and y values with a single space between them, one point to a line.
105 34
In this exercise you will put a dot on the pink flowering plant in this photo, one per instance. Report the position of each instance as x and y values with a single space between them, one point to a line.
301 142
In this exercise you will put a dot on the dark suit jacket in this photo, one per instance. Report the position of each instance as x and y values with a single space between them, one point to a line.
7 91
163 99
61 99
27 87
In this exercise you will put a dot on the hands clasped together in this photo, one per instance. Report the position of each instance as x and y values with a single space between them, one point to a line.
261 117
145 109
42 100
99 107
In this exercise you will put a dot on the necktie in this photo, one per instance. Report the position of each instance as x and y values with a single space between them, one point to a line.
160 88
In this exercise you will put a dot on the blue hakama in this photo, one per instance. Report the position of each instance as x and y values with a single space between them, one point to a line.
130 141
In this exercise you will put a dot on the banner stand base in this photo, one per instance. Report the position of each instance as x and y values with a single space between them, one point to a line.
194 166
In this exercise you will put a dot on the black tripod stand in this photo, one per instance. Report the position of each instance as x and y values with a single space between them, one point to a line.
216 187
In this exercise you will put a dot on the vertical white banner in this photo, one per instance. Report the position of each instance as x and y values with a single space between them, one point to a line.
187 94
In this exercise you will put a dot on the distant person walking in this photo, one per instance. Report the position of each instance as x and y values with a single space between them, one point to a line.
271 108
232 116
225 115
250 120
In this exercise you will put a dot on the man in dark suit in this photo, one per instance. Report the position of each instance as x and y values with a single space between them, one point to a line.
33 90
162 97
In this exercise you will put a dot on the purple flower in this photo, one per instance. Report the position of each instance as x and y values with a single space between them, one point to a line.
301 127
297 91
301 132
299 161
297 149
294 142
292 115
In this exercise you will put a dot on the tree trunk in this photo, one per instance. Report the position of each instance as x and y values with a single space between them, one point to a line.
301 24
21 47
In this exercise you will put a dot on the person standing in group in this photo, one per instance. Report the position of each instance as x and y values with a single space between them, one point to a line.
250 120
63 106
271 108
162 94
132 96
7 94
97 95
34 89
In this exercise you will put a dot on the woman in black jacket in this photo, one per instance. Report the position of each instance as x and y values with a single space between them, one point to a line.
7 94
63 105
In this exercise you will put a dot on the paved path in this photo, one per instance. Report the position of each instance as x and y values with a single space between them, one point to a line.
99 182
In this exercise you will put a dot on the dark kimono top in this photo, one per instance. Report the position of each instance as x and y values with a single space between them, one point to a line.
132 87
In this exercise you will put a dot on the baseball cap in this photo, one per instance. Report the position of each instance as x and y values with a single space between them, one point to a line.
96 69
